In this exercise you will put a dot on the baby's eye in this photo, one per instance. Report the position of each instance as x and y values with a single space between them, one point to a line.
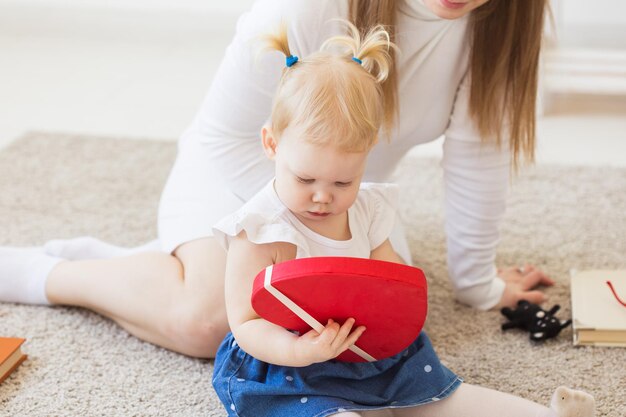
305 180
343 184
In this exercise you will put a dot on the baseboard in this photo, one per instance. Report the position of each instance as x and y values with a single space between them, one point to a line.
585 71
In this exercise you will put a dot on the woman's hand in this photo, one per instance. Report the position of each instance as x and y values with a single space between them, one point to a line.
313 347
520 283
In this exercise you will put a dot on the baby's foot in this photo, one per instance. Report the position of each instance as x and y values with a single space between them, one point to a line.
572 403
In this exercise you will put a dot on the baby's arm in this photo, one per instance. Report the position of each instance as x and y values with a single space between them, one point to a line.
385 252
258 337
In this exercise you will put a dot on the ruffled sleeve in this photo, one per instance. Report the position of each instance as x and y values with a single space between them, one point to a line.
263 219
381 202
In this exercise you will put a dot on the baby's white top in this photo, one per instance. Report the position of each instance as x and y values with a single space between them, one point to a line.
267 220
433 99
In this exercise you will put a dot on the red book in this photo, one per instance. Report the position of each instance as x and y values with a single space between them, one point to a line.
11 355
389 299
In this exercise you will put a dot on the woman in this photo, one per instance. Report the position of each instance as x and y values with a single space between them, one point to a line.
467 69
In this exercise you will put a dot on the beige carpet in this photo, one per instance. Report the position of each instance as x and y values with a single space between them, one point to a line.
81 364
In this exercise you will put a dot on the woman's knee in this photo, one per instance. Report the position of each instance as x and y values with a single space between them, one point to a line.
198 331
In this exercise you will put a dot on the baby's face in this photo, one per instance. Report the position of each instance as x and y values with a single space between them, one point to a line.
316 182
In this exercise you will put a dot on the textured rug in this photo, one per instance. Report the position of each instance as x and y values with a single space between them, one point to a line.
60 186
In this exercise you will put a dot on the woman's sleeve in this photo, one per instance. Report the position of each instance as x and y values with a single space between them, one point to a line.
476 178
239 100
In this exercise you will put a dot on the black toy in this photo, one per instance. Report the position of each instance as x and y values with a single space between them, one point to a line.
540 323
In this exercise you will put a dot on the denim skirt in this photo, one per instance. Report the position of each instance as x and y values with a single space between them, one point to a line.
251 388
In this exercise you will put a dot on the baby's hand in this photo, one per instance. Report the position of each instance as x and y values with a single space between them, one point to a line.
313 347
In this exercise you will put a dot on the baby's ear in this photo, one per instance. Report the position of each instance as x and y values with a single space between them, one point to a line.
269 142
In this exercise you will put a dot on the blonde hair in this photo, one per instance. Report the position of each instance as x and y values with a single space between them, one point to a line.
506 38
329 97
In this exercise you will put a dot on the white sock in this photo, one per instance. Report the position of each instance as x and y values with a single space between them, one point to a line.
571 403
88 247
23 275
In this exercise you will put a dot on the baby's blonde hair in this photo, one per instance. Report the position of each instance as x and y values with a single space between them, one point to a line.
331 98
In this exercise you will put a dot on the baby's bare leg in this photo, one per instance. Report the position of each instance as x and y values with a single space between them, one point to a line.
369 413
347 414
474 401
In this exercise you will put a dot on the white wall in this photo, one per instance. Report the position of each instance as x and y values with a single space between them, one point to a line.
121 68
124 20
591 23
197 5
597 12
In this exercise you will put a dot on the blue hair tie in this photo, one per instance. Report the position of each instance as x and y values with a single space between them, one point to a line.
291 59
357 60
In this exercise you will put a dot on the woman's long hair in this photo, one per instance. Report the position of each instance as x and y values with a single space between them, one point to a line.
504 61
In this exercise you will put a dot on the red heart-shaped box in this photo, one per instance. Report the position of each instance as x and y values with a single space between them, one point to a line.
390 299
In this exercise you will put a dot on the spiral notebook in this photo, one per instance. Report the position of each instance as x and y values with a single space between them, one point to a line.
598 315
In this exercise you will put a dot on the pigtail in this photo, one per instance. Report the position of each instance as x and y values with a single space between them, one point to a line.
278 41
334 95
373 51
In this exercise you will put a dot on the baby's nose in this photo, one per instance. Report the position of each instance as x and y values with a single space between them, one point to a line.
322 197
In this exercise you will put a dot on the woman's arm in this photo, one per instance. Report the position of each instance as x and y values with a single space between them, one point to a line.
266 341
476 177
239 100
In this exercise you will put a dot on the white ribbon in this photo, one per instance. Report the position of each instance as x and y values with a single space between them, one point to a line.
306 317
